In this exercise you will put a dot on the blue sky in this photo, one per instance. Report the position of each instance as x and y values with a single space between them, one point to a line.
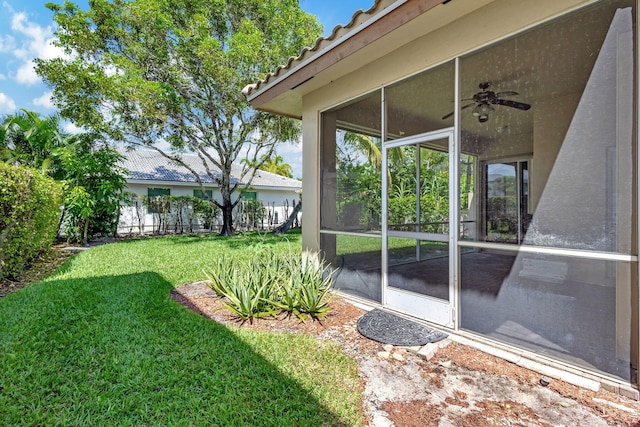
26 32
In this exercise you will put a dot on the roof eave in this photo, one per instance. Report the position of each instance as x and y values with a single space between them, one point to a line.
292 83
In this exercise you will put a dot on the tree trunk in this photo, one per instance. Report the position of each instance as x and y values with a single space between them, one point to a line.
227 220
287 224
85 231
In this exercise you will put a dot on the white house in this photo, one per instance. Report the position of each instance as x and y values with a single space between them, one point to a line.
151 174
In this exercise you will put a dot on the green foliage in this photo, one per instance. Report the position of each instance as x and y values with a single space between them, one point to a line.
175 71
359 195
80 206
96 171
271 282
251 213
206 211
28 140
178 213
359 186
311 284
275 165
247 287
29 210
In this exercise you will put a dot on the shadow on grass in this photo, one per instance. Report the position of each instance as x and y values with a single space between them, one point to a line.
116 350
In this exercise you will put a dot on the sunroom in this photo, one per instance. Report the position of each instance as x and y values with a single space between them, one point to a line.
473 163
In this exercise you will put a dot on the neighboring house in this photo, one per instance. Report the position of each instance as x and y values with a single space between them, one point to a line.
546 92
151 174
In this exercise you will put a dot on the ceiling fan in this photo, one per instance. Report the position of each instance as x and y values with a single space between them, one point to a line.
484 101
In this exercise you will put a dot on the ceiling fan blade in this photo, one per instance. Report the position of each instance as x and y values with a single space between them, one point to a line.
446 116
506 93
512 104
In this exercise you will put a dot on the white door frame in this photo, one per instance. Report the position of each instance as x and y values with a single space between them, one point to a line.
441 312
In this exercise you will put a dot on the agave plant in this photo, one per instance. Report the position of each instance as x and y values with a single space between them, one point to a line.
245 290
311 285
270 283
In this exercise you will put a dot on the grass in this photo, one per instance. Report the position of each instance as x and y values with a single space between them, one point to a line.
348 244
100 342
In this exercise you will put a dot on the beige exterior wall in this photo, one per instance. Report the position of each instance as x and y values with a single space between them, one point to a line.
471 24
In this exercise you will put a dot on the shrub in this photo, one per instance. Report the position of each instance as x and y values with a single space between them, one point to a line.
94 209
246 289
80 208
29 212
179 213
251 214
206 211
270 283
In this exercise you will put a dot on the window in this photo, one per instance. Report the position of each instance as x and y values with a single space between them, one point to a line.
208 194
555 149
249 195
155 196
153 192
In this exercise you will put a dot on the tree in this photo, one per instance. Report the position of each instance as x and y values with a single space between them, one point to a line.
81 160
171 71
27 139
364 145
96 188
274 165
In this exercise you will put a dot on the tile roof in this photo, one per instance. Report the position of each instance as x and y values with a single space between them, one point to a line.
143 164
358 18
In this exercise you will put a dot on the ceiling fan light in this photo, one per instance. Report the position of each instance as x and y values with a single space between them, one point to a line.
481 111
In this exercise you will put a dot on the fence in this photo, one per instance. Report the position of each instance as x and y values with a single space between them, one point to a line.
186 214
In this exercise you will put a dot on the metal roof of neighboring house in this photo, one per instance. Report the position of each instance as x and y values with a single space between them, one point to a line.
150 165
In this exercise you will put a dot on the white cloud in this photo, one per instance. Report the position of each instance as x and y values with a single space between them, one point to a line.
35 42
26 74
39 40
44 100
7 105
7 43
72 128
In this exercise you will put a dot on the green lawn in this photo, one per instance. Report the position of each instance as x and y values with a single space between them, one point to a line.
101 343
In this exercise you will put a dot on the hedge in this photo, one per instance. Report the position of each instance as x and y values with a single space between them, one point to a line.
29 212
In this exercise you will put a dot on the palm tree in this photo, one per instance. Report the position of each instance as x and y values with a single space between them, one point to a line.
364 145
275 165
29 140
371 149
